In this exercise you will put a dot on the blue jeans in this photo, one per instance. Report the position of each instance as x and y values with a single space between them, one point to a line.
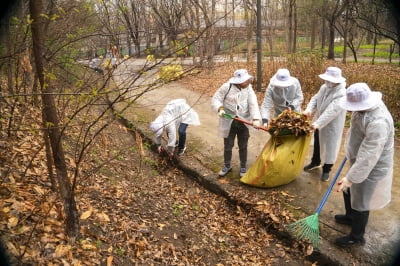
242 132
182 135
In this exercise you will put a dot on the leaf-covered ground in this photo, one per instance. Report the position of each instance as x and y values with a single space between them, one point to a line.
134 210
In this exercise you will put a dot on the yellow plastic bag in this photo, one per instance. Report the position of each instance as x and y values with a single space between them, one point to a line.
280 162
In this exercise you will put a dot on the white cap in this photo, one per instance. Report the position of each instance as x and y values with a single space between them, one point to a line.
359 97
282 78
333 74
240 76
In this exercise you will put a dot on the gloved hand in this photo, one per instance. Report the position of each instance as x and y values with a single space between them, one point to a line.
307 113
315 126
256 123
160 149
265 122
221 112
344 184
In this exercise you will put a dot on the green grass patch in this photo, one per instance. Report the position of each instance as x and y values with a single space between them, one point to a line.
381 54
371 46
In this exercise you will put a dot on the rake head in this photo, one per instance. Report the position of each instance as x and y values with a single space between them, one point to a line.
306 228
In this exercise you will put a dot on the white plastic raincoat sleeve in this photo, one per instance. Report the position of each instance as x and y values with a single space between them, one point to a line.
312 104
370 149
190 117
280 98
332 111
171 133
220 99
219 96
253 105
298 98
237 102
330 119
267 104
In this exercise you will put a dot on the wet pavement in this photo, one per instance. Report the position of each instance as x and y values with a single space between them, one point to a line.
383 230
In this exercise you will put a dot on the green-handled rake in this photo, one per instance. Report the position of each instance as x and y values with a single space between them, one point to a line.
309 227
243 121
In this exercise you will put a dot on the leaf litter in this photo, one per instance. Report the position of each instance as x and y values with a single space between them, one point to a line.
134 210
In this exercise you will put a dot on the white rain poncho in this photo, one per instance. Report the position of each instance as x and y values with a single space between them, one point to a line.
174 113
370 150
280 98
237 102
330 118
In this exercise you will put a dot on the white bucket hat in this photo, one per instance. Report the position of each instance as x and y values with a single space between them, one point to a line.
359 97
333 74
240 76
282 78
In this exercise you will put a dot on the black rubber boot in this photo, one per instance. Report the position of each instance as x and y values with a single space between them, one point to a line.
347 217
360 221
356 236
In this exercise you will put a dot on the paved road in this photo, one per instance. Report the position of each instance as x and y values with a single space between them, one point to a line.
383 231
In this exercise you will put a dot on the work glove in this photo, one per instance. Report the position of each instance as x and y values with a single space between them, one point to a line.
315 126
160 149
221 112
307 113
344 184
265 122
256 123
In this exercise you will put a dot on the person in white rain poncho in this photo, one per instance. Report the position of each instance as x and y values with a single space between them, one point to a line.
328 121
283 92
177 114
370 150
237 98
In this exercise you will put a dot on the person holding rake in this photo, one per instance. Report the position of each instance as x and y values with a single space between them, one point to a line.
369 150
236 98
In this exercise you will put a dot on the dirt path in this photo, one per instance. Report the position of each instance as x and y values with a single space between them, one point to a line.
382 238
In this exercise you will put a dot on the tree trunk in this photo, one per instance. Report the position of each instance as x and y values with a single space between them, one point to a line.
345 34
233 14
248 16
49 157
290 27
323 34
211 39
375 37
354 54
331 39
10 83
374 49
128 44
226 13
294 27
313 28
52 124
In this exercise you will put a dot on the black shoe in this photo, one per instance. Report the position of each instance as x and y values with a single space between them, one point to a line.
343 219
325 177
311 166
347 241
